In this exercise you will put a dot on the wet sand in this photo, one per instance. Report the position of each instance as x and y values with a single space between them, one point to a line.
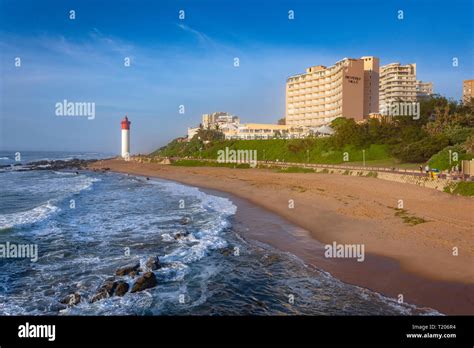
414 261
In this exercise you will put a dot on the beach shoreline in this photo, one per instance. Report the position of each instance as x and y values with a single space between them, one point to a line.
399 259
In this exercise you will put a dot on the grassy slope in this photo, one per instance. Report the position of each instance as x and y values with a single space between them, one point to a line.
464 189
441 159
317 150
297 150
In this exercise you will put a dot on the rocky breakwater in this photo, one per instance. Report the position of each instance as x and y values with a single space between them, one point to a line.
130 278
72 164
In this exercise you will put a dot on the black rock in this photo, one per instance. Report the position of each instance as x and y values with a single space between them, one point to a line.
121 288
185 220
181 234
109 286
146 281
59 164
131 269
100 295
153 263
71 299
227 251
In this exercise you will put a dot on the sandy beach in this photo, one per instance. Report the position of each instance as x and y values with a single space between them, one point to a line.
415 261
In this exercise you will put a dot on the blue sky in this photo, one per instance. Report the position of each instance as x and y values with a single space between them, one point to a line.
190 62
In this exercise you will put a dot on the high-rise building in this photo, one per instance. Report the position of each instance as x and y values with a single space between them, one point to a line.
397 84
467 91
322 94
423 89
371 85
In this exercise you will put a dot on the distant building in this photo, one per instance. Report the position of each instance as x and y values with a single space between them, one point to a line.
423 89
467 91
251 131
192 132
349 89
218 118
397 84
222 121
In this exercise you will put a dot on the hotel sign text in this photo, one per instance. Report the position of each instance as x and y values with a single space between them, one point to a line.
352 79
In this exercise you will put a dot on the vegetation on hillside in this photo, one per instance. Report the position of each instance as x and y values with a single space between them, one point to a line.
443 125
463 188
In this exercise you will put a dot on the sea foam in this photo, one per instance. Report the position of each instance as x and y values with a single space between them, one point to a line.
28 217
207 237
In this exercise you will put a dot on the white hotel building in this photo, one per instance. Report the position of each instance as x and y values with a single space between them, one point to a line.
349 89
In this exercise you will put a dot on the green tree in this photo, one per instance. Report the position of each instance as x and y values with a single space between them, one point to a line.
347 131
209 135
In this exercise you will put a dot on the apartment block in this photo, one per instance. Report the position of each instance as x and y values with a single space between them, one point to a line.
397 84
218 118
423 89
467 91
322 94
223 121
371 85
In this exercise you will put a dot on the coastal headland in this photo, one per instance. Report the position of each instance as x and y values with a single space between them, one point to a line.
422 253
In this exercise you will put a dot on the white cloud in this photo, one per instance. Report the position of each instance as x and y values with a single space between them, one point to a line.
201 37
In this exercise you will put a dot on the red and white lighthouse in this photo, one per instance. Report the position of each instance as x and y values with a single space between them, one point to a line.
126 138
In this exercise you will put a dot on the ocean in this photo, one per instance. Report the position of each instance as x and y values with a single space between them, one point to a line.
87 224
